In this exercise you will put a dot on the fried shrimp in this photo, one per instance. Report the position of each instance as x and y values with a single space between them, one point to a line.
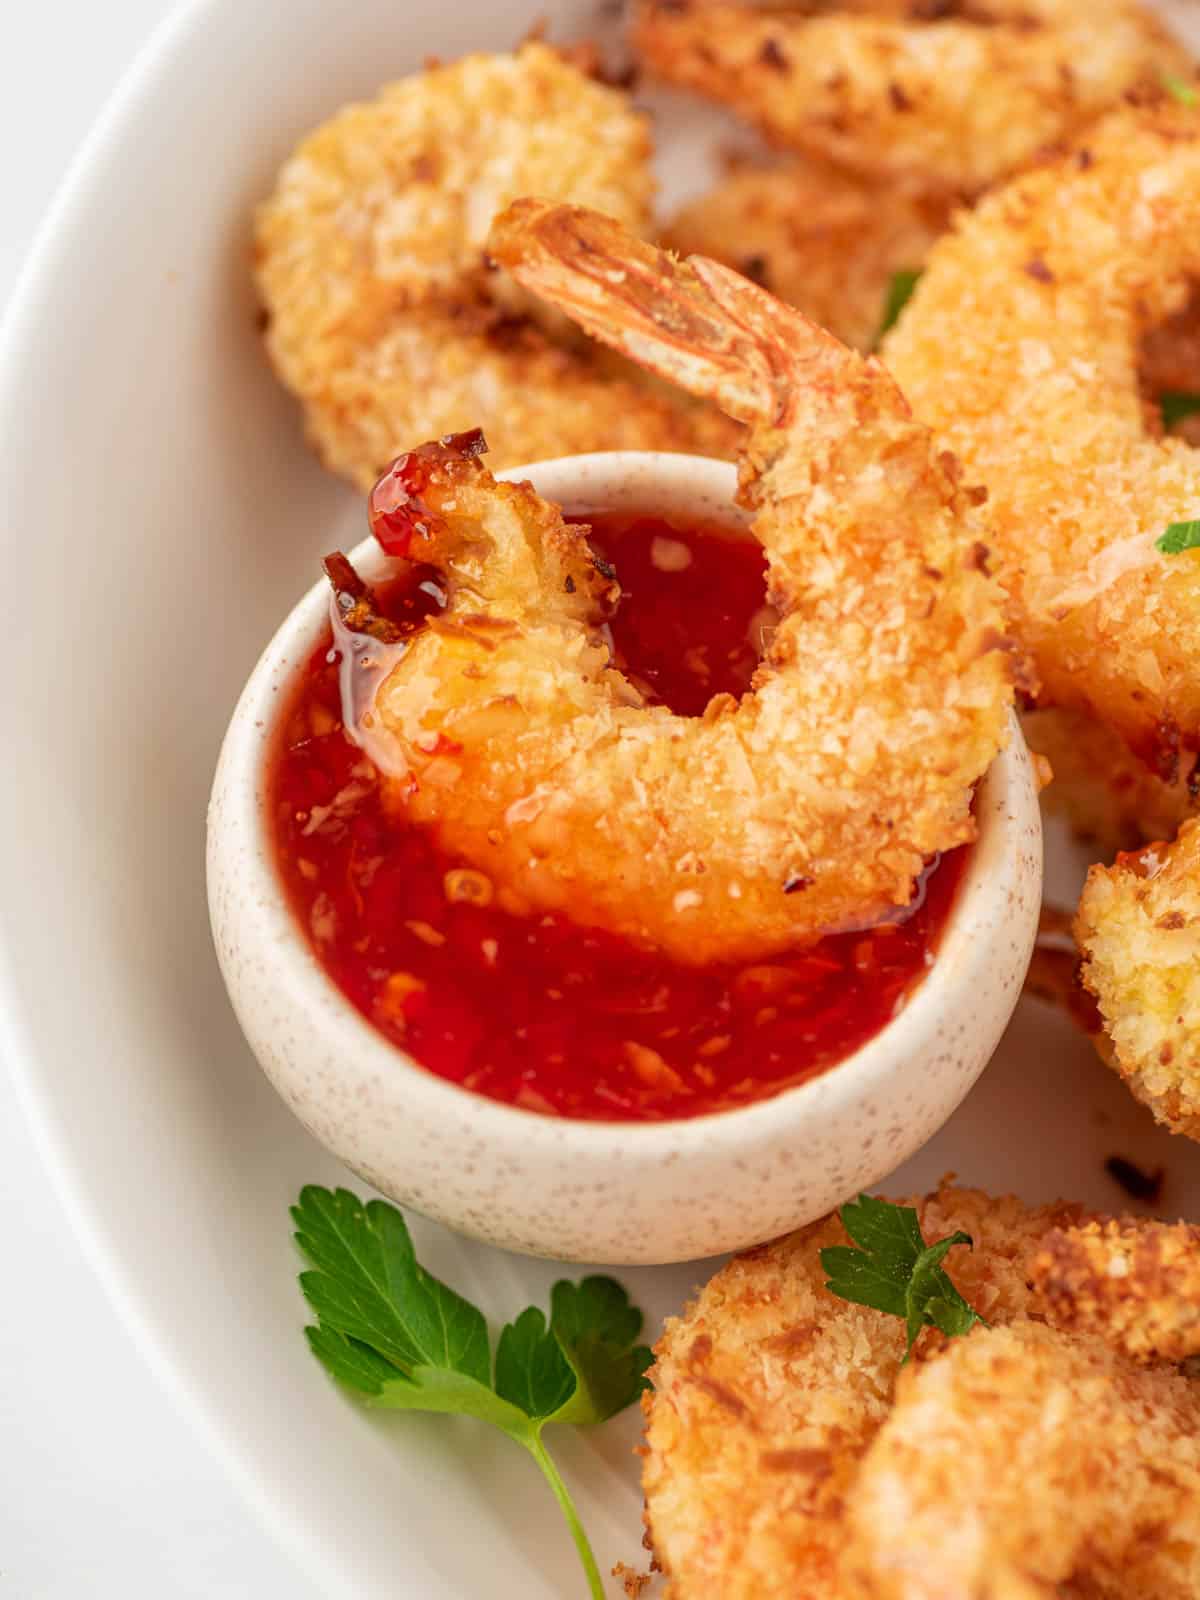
1138 931
768 1391
1137 1284
386 317
812 804
958 92
1106 794
1021 1459
1051 283
819 238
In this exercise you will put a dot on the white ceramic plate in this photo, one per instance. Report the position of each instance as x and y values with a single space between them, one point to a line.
161 515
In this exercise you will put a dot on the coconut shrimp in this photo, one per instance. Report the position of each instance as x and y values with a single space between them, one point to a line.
821 239
1137 1284
1021 1458
1106 794
1138 931
769 1390
385 316
958 93
1051 283
884 694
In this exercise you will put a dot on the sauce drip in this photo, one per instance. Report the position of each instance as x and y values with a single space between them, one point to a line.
538 1012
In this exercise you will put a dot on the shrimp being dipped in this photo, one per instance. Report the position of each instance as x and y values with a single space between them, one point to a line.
385 316
816 801
1135 1283
953 93
1051 284
1138 931
821 239
1021 1459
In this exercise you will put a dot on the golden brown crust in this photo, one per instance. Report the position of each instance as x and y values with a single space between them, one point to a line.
1107 795
763 824
1137 1284
964 98
768 1391
1023 1459
386 317
816 237
1138 931
1052 281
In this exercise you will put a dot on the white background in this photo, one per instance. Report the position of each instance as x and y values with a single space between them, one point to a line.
103 1489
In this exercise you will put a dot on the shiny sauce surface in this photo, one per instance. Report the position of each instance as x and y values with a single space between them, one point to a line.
538 1012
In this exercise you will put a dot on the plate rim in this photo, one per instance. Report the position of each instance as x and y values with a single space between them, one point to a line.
265 1501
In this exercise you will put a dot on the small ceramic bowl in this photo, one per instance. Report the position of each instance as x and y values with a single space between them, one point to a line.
613 1193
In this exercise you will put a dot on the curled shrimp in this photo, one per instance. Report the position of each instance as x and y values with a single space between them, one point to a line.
385 316
1138 932
769 1391
1052 284
816 801
1021 1459
952 92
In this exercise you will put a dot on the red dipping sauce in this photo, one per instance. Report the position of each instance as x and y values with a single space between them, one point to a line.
538 1012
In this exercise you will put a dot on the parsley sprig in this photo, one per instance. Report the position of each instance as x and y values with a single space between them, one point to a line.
1180 536
899 293
1180 89
391 1331
895 1271
1176 404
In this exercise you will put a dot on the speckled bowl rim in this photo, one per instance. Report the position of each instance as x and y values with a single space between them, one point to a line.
661 483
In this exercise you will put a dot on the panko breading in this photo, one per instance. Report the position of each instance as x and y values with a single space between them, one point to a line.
1021 349
819 238
957 93
1020 1459
1137 1284
768 1391
1100 786
386 317
762 824
1138 931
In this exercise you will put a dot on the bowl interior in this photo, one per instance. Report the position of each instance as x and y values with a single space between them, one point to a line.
162 515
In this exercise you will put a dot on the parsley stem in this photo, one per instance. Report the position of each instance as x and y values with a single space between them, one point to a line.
563 1495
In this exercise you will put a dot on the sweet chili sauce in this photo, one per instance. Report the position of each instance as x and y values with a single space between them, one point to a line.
539 1012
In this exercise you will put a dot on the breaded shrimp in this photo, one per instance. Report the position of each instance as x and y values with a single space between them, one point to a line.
769 1389
814 803
1108 795
952 91
1020 1459
1136 1284
819 238
1020 348
386 317
1138 931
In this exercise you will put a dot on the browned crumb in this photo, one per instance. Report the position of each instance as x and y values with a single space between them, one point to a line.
1136 1283
632 1581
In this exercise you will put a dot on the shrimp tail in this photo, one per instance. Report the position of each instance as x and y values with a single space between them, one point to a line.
697 323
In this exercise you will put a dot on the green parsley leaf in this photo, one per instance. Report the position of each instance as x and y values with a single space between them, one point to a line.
899 293
1176 404
393 1333
893 1270
1180 536
1180 89
597 1330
